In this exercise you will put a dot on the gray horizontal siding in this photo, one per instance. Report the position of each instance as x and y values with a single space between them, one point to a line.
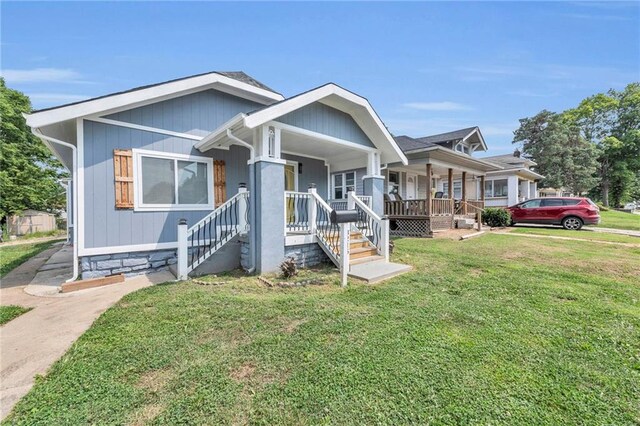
106 226
198 113
323 119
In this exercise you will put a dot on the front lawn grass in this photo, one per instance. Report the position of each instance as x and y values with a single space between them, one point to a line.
7 313
493 330
12 256
619 220
581 234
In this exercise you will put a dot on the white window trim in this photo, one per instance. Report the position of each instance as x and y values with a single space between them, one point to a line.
344 184
137 182
493 189
452 195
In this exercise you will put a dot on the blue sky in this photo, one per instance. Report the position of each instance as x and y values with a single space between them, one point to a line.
426 67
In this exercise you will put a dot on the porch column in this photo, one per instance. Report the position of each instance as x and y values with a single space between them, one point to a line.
464 192
268 230
534 189
512 190
482 189
450 190
373 186
429 195
373 183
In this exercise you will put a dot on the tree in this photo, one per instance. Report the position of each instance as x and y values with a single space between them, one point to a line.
29 174
563 156
610 122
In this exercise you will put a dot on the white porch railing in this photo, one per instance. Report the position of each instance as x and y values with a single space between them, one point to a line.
372 226
342 204
296 211
197 243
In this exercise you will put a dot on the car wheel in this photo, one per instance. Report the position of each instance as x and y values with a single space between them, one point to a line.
572 223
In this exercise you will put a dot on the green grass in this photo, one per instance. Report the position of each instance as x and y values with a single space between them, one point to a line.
493 330
7 313
582 234
43 234
619 220
12 256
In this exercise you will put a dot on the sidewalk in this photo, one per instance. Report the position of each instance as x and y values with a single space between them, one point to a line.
31 343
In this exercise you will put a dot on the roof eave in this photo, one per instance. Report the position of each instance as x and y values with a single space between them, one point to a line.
151 94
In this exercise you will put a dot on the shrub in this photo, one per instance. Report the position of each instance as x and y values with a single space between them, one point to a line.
289 268
496 217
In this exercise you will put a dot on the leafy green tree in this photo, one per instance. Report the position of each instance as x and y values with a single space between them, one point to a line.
29 174
563 156
611 122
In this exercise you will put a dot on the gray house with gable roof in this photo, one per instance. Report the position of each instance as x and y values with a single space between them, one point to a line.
215 171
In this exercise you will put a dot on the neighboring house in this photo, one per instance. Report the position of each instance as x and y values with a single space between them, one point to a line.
31 221
554 192
441 181
248 170
515 182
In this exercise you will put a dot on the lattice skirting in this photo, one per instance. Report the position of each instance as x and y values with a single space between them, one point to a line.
410 227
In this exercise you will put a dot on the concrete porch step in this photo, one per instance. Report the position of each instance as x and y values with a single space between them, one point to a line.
367 259
376 271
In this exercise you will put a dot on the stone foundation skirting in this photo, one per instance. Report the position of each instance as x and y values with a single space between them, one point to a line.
306 255
134 263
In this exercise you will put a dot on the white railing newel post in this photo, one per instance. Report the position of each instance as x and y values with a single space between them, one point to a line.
312 209
345 231
351 202
385 238
182 265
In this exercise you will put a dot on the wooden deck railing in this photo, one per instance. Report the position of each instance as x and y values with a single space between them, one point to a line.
439 206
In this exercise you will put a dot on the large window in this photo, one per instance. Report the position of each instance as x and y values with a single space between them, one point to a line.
457 189
166 181
341 182
496 188
394 183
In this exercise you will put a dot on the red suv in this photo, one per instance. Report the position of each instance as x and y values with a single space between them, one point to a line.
571 213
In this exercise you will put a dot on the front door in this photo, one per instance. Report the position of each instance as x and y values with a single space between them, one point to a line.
291 184
412 186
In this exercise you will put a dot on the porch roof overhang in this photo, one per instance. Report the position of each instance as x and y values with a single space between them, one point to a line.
243 125
520 172
446 158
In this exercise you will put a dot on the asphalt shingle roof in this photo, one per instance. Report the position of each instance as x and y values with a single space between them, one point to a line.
407 143
508 161
236 75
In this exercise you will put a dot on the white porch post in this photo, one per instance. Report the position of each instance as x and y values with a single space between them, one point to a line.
182 272
512 190
351 203
527 189
533 189
345 230
384 238
243 224
312 209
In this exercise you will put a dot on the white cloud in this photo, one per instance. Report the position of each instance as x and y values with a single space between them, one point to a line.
437 106
40 75
55 98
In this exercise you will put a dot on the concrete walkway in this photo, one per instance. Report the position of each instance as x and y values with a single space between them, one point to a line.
31 343
31 241
23 274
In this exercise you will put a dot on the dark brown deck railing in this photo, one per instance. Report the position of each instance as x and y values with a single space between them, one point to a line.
439 207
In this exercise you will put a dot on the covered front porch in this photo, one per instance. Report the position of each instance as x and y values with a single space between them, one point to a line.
435 190
294 149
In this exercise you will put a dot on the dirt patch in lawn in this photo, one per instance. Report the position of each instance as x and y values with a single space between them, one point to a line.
292 325
155 380
243 373
146 414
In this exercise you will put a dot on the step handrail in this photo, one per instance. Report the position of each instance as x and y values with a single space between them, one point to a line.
377 226
200 241
328 234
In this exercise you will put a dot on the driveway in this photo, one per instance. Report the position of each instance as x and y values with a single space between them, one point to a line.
31 343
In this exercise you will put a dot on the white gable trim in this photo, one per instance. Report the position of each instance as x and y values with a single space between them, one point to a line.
357 107
482 142
145 128
156 93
